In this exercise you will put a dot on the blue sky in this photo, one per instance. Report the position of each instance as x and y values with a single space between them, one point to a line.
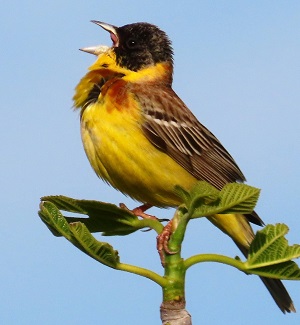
236 67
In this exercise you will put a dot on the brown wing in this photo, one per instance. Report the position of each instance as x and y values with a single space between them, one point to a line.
171 127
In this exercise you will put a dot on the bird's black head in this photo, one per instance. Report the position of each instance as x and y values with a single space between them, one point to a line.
139 45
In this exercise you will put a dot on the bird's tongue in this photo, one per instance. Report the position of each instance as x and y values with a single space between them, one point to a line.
114 39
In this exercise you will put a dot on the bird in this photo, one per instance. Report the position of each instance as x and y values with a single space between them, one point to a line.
142 139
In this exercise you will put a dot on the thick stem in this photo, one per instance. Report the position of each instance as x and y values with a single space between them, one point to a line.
175 276
174 313
172 310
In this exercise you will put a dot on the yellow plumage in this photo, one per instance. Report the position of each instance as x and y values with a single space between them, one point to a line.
142 139
117 148
122 156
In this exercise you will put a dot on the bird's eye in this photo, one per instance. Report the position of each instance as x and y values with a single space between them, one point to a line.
131 43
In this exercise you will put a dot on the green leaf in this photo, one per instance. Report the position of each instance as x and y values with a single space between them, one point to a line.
271 247
78 234
54 220
204 190
201 193
233 198
100 251
102 217
204 199
270 255
239 198
183 194
282 271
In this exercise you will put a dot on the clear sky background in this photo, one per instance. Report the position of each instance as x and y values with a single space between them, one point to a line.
236 67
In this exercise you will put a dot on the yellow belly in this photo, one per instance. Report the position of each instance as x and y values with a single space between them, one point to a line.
121 155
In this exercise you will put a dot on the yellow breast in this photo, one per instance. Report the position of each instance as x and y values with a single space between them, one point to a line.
121 155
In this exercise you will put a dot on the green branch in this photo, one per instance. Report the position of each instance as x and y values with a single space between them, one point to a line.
143 272
151 224
269 253
200 258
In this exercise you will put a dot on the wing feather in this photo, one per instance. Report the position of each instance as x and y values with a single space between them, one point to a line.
171 127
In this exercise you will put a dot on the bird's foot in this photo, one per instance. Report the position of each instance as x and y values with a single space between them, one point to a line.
162 241
140 212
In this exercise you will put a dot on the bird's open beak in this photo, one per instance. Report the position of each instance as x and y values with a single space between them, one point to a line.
96 50
99 49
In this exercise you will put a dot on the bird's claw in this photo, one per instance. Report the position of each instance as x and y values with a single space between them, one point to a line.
163 241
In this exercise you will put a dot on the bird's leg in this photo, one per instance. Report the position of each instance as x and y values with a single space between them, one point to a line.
140 211
162 241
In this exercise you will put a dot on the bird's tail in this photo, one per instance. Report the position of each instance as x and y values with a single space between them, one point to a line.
279 294
238 228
